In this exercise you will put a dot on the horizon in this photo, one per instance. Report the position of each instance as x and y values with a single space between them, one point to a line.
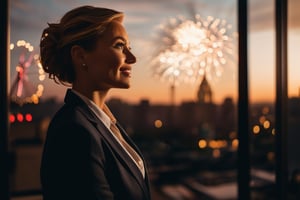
156 103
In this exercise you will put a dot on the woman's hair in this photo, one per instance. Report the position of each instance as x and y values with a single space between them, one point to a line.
81 26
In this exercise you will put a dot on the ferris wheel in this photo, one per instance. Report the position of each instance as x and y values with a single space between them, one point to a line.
28 75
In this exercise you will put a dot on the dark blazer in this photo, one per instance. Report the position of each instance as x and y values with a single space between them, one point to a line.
82 160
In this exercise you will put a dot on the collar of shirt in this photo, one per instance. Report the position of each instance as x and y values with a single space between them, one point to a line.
102 115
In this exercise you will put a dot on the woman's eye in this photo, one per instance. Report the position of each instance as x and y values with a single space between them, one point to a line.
120 45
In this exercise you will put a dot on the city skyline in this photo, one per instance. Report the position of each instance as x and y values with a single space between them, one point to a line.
141 20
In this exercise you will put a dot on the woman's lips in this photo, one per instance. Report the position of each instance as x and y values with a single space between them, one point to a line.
126 71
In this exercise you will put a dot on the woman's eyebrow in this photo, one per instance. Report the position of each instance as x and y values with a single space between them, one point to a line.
121 38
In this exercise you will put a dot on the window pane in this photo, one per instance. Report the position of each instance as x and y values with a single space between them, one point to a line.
185 124
262 98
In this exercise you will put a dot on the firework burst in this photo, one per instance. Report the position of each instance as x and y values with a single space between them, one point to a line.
192 48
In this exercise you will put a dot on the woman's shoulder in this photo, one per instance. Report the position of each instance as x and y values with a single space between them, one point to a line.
77 119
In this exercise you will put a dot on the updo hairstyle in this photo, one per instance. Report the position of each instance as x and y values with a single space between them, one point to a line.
81 26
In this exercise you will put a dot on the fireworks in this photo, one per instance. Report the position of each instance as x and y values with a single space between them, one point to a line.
192 48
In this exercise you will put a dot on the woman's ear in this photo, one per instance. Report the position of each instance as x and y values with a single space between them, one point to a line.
78 55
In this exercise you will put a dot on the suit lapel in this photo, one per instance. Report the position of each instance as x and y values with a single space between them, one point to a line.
123 156
130 142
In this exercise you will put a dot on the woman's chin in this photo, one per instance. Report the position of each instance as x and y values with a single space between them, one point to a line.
123 85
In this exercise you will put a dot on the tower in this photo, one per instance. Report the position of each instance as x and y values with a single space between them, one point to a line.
205 110
204 92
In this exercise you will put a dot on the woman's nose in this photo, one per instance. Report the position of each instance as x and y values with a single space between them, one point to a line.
130 58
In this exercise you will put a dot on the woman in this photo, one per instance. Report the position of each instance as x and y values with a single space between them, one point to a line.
87 155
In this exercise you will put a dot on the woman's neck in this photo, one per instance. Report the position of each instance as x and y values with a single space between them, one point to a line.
99 98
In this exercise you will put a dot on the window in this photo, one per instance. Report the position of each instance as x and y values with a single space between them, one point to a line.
188 133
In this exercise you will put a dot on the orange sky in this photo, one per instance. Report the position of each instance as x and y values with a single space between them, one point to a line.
141 19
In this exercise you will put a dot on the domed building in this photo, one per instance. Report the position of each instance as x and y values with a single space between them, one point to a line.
205 110
204 92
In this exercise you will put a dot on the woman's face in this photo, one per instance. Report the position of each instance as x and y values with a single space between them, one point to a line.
109 64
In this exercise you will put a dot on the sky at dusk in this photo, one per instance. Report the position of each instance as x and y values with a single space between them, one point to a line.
29 17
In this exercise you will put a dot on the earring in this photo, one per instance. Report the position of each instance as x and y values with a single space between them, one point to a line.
84 66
